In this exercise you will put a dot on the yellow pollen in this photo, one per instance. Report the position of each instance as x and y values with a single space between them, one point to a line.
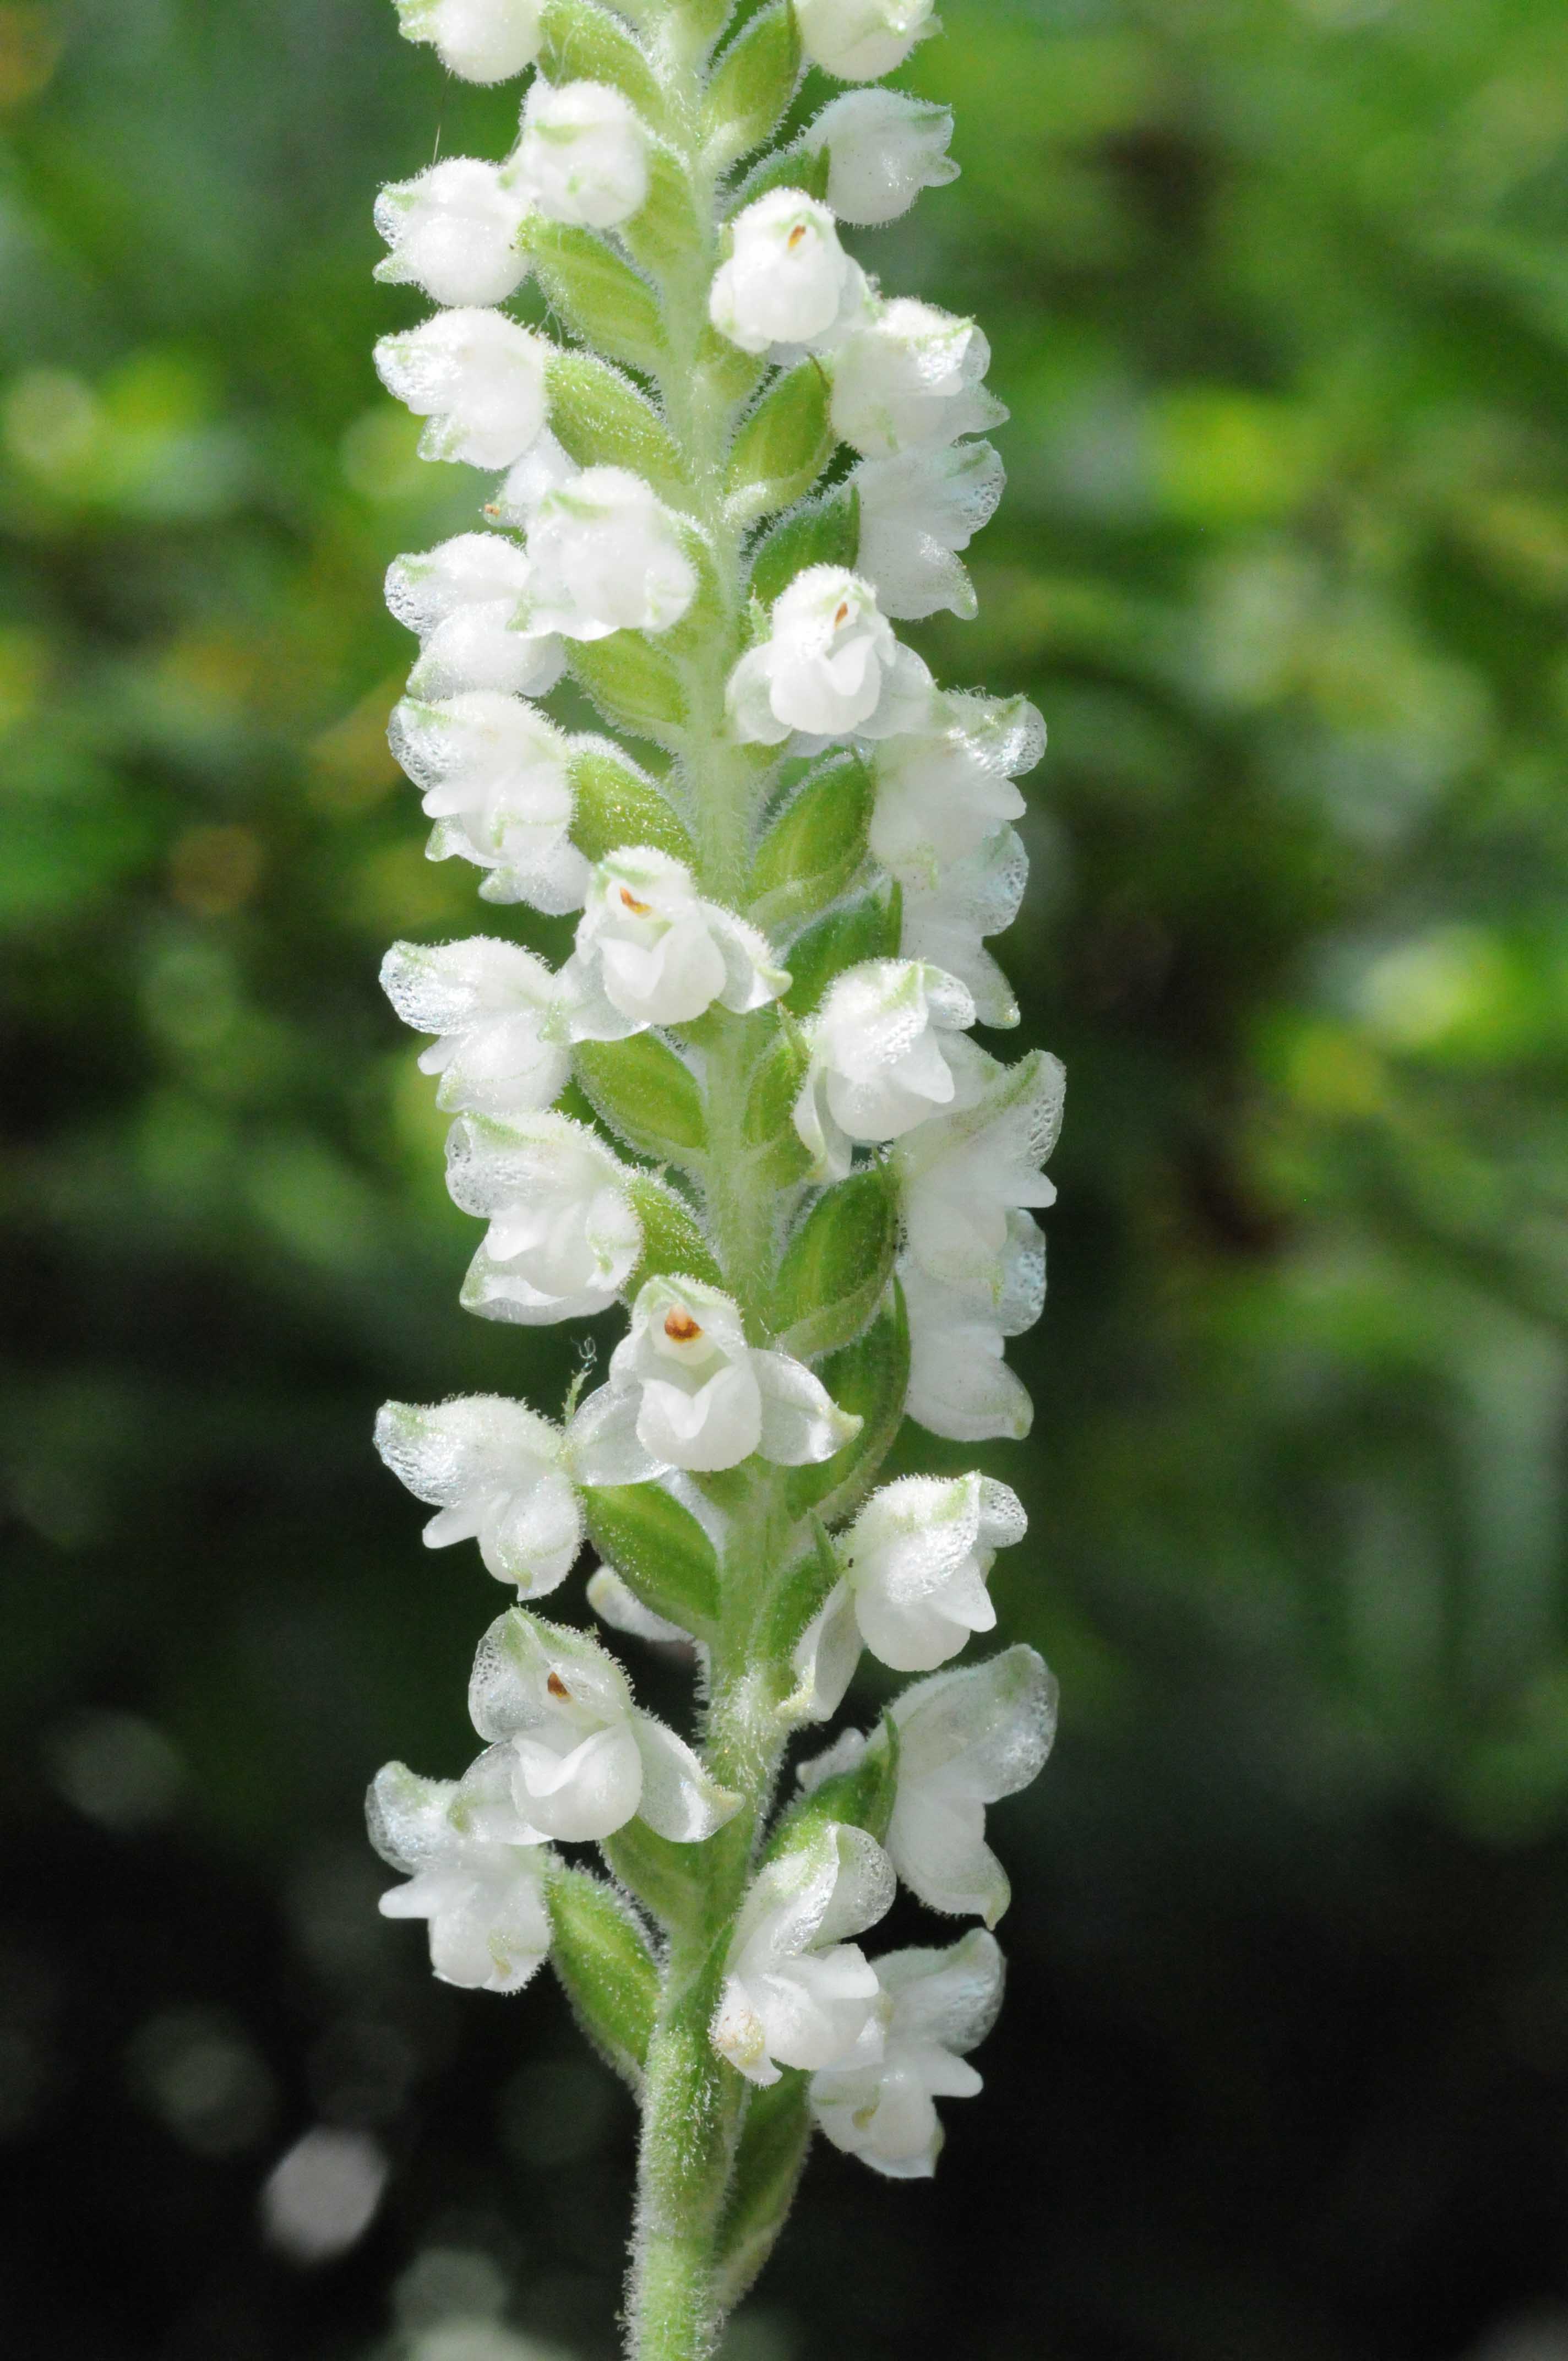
842 616
796 233
637 909
557 1686
681 1328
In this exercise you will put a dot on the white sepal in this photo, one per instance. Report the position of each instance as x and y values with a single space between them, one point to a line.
824 1660
502 1046
493 1468
583 157
860 41
617 1604
482 40
788 282
879 1057
584 1759
473 1872
480 380
884 148
650 950
606 555
941 2004
544 468
945 788
916 511
978 1163
564 1234
912 376
796 1992
454 231
917 1560
966 1739
686 1391
960 1384
463 599
830 667
946 924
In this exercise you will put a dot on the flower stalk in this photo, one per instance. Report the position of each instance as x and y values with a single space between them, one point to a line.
747 1107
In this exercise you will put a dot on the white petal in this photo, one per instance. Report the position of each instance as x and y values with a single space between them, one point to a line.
801 1424
680 1800
825 1659
602 1442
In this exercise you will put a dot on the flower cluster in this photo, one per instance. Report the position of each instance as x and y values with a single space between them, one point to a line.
742 1108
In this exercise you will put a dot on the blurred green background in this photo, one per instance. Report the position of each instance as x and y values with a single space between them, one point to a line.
1278 293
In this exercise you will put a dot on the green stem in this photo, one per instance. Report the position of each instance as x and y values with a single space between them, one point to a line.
694 2104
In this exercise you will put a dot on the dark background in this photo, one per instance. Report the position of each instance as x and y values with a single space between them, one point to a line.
1279 292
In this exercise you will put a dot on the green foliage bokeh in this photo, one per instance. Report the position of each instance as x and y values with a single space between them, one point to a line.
1279 296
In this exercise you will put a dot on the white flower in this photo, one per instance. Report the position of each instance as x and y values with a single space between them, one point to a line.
686 1391
480 380
454 231
462 599
943 2004
796 1992
965 1739
879 1057
883 147
583 1759
965 1174
606 556
483 41
472 1872
496 779
915 1564
502 1046
860 41
650 951
583 154
910 378
564 1234
494 1470
946 924
916 511
959 1385
943 788
916 1561
544 468
830 667
788 281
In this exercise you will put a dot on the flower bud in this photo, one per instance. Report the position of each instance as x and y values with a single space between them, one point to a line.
454 231
686 1391
606 556
916 512
796 1993
879 1062
830 667
583 154
788 281
917 1560
480 380
493 1469
912 376
650 951
942 790
583 1759
482 40
883 147
939 2006
496 779
860 41
472 1869
502 1046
